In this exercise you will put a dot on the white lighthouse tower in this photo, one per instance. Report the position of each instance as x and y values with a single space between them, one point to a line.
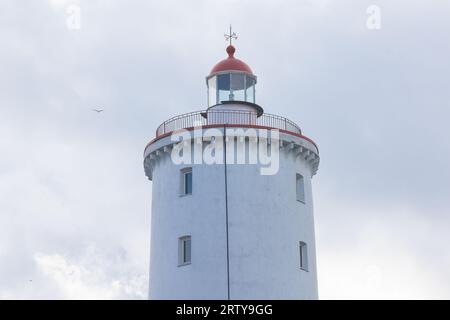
227 229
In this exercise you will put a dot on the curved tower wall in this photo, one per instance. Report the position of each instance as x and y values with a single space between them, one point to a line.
245 227
201 216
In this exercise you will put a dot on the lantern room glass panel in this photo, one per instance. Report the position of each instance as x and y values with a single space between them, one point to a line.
250 89
212 91
232 86
237 91
223 87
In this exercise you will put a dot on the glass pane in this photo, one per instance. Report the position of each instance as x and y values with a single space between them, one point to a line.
250 94
300 188
212 91
303 256
188 183
223 84
250 89
238 86
249 81
187 250
237 81
223 81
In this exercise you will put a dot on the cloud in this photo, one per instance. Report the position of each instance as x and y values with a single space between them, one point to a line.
59 3
92 276
376 102
396 253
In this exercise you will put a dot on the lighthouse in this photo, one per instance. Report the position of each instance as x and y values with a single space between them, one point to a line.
232 204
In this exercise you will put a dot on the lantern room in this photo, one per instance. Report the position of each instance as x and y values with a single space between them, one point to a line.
231 80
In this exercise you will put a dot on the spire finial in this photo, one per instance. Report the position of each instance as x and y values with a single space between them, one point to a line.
232 35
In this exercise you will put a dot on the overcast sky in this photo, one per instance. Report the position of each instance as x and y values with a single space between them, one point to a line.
74 200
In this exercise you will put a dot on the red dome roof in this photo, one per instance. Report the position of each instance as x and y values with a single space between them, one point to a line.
231 63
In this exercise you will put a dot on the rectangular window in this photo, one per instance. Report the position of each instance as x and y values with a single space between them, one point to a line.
186 181
300 186
184 250
303 256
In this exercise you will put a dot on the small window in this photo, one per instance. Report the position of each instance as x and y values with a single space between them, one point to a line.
184 250
300 186
186 181
303 256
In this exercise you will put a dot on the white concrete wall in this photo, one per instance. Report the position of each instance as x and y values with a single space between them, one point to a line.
266 223
200 215
248 115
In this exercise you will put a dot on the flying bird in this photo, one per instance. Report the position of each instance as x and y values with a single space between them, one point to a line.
97 110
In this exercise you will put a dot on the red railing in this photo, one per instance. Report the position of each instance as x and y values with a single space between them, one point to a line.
204 118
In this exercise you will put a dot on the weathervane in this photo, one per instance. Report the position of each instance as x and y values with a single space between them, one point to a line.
230 36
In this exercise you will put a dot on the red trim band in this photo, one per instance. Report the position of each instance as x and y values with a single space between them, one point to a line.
233 125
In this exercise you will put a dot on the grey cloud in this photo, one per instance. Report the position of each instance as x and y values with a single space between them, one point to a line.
376 102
